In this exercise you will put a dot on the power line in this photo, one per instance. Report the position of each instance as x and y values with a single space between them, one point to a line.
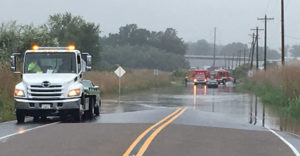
292 37
268 5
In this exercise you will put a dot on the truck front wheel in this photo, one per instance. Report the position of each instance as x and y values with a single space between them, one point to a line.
89 114
20 116
77 115
224 82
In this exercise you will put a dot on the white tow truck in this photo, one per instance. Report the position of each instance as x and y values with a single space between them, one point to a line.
52 84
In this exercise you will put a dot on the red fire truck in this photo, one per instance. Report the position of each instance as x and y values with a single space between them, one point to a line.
223 76
199 76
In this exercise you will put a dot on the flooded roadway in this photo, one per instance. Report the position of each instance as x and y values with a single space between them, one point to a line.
215 121
224 100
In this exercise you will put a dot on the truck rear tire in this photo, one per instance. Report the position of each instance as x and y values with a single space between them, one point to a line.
97 109
20 116
89 114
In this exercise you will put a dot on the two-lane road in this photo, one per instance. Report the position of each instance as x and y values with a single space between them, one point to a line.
172 122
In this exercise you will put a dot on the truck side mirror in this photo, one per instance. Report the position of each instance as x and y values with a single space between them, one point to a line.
88 62
14 61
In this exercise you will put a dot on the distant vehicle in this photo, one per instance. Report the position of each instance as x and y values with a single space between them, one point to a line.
200 76
212 82
223 76
52 84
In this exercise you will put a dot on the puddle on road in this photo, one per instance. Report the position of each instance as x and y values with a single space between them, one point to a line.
223 100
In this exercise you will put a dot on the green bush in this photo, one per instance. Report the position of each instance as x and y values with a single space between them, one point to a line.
274 98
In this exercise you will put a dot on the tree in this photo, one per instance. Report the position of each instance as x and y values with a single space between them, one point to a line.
233 49
141 57
67 29
9 39
172 43
201 47
17 38
31 35
132 35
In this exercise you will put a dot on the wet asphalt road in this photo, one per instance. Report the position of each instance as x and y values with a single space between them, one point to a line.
215 122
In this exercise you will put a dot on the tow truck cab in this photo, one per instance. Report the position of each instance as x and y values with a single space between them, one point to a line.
52 83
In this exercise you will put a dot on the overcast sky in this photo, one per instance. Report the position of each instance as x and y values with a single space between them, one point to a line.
193 19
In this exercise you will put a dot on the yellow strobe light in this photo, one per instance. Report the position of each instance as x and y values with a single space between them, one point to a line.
35 47
71 47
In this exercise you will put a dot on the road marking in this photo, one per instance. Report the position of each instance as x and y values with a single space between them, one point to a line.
152 136
27 130
286 142
138 139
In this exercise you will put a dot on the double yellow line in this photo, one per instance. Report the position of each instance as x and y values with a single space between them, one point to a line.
160 125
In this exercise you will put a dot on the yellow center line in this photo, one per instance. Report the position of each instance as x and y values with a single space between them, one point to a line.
138 139
152 136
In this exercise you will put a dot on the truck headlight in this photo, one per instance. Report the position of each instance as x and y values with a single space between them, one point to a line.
19 93
74 92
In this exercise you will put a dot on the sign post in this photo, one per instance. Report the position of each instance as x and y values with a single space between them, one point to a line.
120 72
250 73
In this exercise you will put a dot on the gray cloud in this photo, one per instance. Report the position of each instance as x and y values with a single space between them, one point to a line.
194 19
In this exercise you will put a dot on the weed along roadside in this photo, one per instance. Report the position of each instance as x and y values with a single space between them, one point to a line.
8 80
278 88
134 80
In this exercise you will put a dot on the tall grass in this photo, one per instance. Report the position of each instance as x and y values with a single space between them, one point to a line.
132 80
278 87
8 80
285 78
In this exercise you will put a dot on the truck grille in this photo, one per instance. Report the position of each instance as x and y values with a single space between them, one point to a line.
41 92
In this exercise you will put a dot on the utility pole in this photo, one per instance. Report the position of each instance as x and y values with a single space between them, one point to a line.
240 55
244 55
225 62
232 61
215 36
228 62
252 50
265 48
282 33
238 58
257 47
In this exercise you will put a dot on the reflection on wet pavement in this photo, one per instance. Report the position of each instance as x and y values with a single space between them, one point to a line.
243 107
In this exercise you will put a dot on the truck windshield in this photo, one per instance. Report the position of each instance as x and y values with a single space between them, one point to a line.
50 63
200 76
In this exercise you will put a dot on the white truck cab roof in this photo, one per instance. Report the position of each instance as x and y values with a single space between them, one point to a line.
37 49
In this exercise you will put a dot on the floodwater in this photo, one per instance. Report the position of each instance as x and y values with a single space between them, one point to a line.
244 107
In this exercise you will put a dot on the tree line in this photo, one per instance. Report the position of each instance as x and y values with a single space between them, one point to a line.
136 47
132 47
59 30
203 47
